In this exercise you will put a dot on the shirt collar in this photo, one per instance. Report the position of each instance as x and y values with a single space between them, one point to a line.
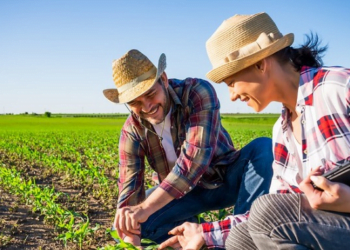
305 94
173 96
306 86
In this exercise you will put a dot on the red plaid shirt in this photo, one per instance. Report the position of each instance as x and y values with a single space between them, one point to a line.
200 142
324 103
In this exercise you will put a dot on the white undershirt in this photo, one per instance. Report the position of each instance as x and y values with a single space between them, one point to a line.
167 141
298 147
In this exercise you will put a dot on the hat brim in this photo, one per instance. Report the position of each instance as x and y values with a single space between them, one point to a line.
220 73
114 96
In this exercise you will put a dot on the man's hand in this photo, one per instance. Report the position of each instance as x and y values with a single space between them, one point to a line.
127 220
188 236
334 197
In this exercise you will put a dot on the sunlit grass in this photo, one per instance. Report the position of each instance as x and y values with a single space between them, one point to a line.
83 153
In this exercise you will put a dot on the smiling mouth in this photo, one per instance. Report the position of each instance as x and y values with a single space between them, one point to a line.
152 112
245 99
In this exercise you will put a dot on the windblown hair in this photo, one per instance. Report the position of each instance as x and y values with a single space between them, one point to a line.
310 54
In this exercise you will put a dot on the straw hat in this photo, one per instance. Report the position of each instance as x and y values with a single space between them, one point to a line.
241 41
133 75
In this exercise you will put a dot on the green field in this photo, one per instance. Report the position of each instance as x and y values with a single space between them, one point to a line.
62 172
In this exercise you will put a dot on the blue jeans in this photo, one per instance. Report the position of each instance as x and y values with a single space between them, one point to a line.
286 221
246 179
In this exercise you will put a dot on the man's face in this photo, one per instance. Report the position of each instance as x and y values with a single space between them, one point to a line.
154 104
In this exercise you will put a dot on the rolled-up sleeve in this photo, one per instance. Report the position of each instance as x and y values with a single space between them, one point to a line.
131 170
197 151
215 233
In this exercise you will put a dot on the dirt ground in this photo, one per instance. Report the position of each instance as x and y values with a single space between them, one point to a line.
22 229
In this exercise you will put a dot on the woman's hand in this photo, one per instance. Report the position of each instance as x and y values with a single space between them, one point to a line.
188 236
334 197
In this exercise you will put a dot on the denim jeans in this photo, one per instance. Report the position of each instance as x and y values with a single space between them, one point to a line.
245 180
286 221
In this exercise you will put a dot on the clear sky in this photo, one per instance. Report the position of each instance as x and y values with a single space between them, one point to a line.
57 55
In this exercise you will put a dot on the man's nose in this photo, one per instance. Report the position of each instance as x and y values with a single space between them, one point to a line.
146 107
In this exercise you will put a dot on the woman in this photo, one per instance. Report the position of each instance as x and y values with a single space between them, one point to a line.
311 137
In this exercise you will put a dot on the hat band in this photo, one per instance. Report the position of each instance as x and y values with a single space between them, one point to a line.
137 80
262 42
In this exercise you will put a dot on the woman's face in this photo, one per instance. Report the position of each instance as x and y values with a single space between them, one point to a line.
252 86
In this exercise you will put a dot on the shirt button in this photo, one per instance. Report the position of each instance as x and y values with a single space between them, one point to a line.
303 122
190 188
172 126
305 151
184 192
178 148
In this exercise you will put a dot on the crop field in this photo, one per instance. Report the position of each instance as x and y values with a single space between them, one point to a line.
58 178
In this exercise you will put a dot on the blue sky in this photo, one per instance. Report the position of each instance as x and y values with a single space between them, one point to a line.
57 55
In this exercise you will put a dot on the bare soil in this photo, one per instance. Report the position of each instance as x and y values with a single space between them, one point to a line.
20 228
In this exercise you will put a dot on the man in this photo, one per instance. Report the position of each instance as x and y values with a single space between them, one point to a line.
176 125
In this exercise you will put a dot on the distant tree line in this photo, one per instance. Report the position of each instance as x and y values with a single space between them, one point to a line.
49 114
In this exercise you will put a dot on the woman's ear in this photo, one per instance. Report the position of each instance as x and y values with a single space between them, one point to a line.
261 65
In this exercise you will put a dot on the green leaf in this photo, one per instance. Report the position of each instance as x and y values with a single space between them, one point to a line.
152 247
114 234
147 241
169 248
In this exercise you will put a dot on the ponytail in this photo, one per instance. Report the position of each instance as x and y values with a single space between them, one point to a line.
310 54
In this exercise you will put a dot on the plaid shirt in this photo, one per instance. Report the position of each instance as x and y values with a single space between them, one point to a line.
201 144
324 104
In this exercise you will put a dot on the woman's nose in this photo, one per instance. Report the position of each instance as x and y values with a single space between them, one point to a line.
233 96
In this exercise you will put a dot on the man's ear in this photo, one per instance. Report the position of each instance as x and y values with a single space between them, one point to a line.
164 78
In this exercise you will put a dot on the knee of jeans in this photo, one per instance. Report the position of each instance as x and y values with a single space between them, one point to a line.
271 210
265 141
261 149
264 145
146 229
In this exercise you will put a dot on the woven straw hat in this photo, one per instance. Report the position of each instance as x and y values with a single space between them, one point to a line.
133 75
241 41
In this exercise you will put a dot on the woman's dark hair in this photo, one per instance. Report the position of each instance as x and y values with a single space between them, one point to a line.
310 54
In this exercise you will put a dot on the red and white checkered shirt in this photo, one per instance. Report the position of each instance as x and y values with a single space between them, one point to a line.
324 104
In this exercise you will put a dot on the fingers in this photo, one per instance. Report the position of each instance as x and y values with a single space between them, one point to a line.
130 223
313 172
307 186
116 224
121 224
323 195
125 222
316 171
135 225
331 188
173 242
120 234
177 230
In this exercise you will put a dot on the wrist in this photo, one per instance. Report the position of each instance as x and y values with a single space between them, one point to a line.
156 200
147 208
